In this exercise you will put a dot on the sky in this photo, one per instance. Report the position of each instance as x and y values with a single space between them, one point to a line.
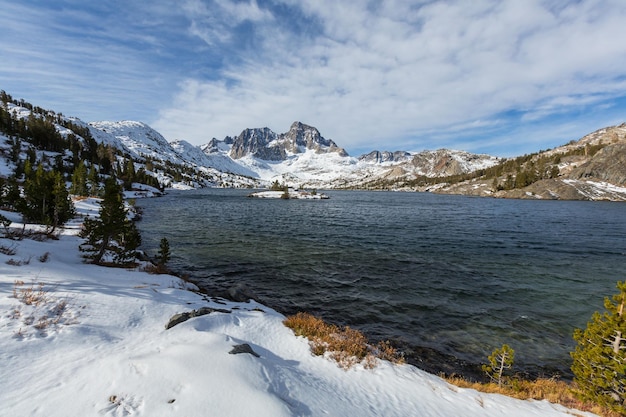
503 77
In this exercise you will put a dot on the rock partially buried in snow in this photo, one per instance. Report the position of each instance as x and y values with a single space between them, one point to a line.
183 317
244 348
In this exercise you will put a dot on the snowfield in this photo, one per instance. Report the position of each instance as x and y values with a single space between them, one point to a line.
84 340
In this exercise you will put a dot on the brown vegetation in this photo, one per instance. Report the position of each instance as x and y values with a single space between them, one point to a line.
346 346
549 389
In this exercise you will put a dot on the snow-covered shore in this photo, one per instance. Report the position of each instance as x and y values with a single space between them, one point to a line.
82 340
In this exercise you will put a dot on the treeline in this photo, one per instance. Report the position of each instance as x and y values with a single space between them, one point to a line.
79 158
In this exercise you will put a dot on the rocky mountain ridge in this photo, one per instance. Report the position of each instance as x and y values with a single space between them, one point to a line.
263 143
590 168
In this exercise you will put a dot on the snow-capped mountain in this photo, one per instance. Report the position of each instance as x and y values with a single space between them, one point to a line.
302 157
266 145
138 138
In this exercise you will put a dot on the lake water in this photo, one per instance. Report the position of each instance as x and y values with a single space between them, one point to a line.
454 276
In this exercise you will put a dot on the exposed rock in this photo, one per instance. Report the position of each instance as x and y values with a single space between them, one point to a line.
609 164
257 143
441 163
182 317
304 136
239 293
244 348
385 156
264 144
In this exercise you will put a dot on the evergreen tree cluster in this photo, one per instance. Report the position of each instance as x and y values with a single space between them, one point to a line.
44 198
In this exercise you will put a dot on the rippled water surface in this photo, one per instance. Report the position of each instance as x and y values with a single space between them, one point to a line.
456 274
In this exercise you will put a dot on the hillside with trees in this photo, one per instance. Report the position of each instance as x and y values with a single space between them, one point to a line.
592 168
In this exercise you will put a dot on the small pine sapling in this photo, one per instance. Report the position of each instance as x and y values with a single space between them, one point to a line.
164 255
499 361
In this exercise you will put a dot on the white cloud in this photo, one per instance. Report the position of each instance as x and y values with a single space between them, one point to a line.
394 72
78 62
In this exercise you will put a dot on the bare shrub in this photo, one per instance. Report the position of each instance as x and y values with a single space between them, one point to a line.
8 250
42 323
15 262
41 308
33 295
44 258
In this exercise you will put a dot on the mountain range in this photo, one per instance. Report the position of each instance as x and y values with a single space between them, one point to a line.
591 168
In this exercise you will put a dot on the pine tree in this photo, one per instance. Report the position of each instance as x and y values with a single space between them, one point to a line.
164 254
93 181
112 232
599 364
46 200
79 180
63 208
499 361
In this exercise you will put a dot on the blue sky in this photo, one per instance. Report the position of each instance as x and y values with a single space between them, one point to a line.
504 77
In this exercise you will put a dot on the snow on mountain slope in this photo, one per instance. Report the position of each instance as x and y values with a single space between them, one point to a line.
444 162
299 157
140 139
308 168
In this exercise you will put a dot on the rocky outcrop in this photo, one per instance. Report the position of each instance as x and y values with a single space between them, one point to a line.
264 144
243 348
301 137
379 157
258 143
609 165
445 162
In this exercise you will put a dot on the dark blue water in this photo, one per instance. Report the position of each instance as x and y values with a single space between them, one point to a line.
458 275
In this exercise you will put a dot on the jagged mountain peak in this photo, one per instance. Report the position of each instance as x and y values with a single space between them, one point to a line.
258 143
301 137
264 144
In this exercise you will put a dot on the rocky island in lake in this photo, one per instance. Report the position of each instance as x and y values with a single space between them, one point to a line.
290 193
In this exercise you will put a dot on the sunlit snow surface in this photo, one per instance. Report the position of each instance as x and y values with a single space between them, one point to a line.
95 343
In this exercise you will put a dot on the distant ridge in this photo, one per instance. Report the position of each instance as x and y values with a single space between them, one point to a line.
591 168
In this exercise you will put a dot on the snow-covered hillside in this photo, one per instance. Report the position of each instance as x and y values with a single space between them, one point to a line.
139 138
83 340
302 157
299 157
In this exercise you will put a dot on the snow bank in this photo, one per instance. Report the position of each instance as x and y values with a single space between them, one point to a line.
80 340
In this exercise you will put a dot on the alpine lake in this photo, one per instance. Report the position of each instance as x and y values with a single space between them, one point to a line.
445 278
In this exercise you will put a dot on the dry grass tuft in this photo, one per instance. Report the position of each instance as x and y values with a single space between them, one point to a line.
549 389
33 295
40 308
346 346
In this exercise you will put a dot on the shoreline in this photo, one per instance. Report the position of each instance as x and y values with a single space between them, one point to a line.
427 359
